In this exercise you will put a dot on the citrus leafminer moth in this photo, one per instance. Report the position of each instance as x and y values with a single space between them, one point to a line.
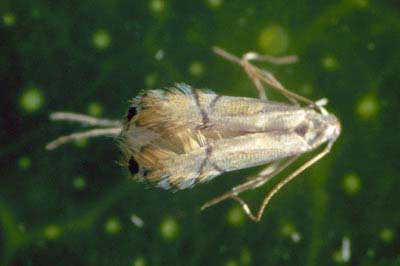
178 137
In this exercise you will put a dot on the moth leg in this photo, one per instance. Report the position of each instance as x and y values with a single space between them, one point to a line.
246 67
84 119
281 184
105 127
113 131
260 88
256 74
263 177
284 60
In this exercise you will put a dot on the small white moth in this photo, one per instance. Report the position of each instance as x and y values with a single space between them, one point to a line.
181 136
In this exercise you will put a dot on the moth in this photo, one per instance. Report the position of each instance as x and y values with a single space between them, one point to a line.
178 137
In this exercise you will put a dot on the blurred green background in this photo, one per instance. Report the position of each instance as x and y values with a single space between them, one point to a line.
76 206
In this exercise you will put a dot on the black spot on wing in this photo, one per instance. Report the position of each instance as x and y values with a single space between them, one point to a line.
131 113
133 166
301 130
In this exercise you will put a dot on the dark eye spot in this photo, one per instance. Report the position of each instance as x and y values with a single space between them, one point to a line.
301 130
133 166
131 113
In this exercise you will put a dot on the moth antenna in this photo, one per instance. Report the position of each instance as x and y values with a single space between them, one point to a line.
112 127
97 132
282 183
84 119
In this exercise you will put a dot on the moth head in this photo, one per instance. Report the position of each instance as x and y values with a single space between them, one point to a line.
332 124
333 127
319 128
